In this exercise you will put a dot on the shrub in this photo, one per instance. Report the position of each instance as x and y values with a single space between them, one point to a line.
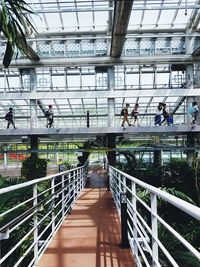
33 168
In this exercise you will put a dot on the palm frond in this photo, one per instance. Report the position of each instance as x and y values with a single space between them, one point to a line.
178 194
14 21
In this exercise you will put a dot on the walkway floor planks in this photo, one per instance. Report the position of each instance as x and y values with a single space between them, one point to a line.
90 236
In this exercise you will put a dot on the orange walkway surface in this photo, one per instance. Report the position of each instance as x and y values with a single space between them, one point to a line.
90 236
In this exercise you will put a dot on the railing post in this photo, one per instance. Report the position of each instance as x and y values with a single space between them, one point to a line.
108 182
75 184
154 229
88 119
63 196
78 181
134 204
53 204
83 177
69 190
124 226
35 234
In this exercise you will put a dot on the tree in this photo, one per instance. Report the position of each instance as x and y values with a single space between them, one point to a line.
15 24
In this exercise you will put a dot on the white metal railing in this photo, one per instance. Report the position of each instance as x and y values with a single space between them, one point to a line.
32 212
144 227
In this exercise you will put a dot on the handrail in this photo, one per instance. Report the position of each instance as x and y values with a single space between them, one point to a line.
144 222
41 214
190 209
35 181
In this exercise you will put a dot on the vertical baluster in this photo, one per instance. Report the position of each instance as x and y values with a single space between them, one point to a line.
53 204
154 229
35 219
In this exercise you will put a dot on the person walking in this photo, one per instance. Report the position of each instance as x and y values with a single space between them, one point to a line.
165 114
124 113
10 118
49 114
158 114
134 114
195 112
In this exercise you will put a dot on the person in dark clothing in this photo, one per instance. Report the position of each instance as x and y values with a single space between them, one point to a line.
165 114
157 119
9 118
195 112
134 114
49 116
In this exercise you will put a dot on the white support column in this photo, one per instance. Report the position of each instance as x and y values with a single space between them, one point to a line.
33 102
189 85
33 113
57 154
189 78
5 162
111 101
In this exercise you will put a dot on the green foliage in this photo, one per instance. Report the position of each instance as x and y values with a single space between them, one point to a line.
178 194
15 24
33 168
151 175
130 166
177 250
178 179
87 146
179 175
66 165
7 201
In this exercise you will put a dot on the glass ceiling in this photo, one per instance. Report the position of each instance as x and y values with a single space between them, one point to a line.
79 29
82 15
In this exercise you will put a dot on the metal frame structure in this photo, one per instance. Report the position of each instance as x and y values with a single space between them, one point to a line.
143 236
79 42
45 208
46 203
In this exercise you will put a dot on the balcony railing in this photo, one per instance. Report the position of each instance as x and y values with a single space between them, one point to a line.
145 227
32 212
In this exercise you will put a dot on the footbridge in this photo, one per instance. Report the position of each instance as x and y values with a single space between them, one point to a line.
76 218
86 133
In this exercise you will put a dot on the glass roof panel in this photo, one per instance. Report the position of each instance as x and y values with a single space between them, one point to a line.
182 18
101 20
166 18
70 21
39 23
85 20
135 19
150 18
53 21
95 14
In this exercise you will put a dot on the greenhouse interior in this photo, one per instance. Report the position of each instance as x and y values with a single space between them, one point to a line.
91 91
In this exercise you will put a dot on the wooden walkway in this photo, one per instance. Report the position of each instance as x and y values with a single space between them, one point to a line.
90 236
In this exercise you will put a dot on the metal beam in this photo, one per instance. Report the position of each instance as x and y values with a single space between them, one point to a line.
192 23
103 33
85 132
178 104
122 12
103 61
106 8
166 92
